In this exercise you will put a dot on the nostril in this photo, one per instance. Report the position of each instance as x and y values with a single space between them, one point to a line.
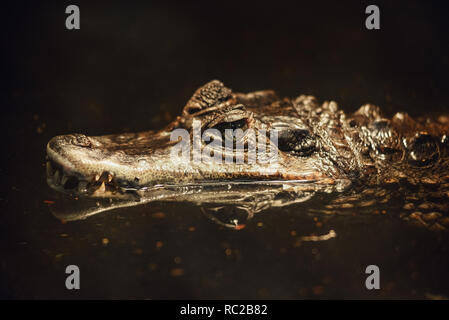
81 140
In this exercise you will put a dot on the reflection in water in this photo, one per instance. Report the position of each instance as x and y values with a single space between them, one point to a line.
229 204
233 204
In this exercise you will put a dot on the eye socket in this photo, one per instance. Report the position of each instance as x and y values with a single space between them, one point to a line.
193 110
297 141
239 124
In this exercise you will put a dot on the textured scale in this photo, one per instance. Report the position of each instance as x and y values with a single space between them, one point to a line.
365 157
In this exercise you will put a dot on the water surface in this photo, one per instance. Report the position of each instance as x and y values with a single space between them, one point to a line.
132 68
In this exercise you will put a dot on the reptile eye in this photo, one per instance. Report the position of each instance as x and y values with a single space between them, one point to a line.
424 151
297 141
239 124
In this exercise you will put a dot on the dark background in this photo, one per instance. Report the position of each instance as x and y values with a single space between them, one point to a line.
132 66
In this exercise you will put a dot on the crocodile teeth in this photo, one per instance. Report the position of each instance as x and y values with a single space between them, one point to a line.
57 178
101 190
64 179
82 186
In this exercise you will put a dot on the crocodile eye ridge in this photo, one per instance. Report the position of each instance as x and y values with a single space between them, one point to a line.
238 124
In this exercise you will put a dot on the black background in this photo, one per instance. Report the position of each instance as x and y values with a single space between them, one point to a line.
132 66
135 60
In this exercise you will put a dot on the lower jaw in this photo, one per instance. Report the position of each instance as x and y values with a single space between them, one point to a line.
105 185
99 185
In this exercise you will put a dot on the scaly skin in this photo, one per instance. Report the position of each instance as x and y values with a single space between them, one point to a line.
320 149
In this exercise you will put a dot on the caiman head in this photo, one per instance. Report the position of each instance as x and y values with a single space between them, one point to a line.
316 144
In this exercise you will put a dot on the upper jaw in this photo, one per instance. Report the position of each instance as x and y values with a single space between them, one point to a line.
137 160
100 166
72 166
